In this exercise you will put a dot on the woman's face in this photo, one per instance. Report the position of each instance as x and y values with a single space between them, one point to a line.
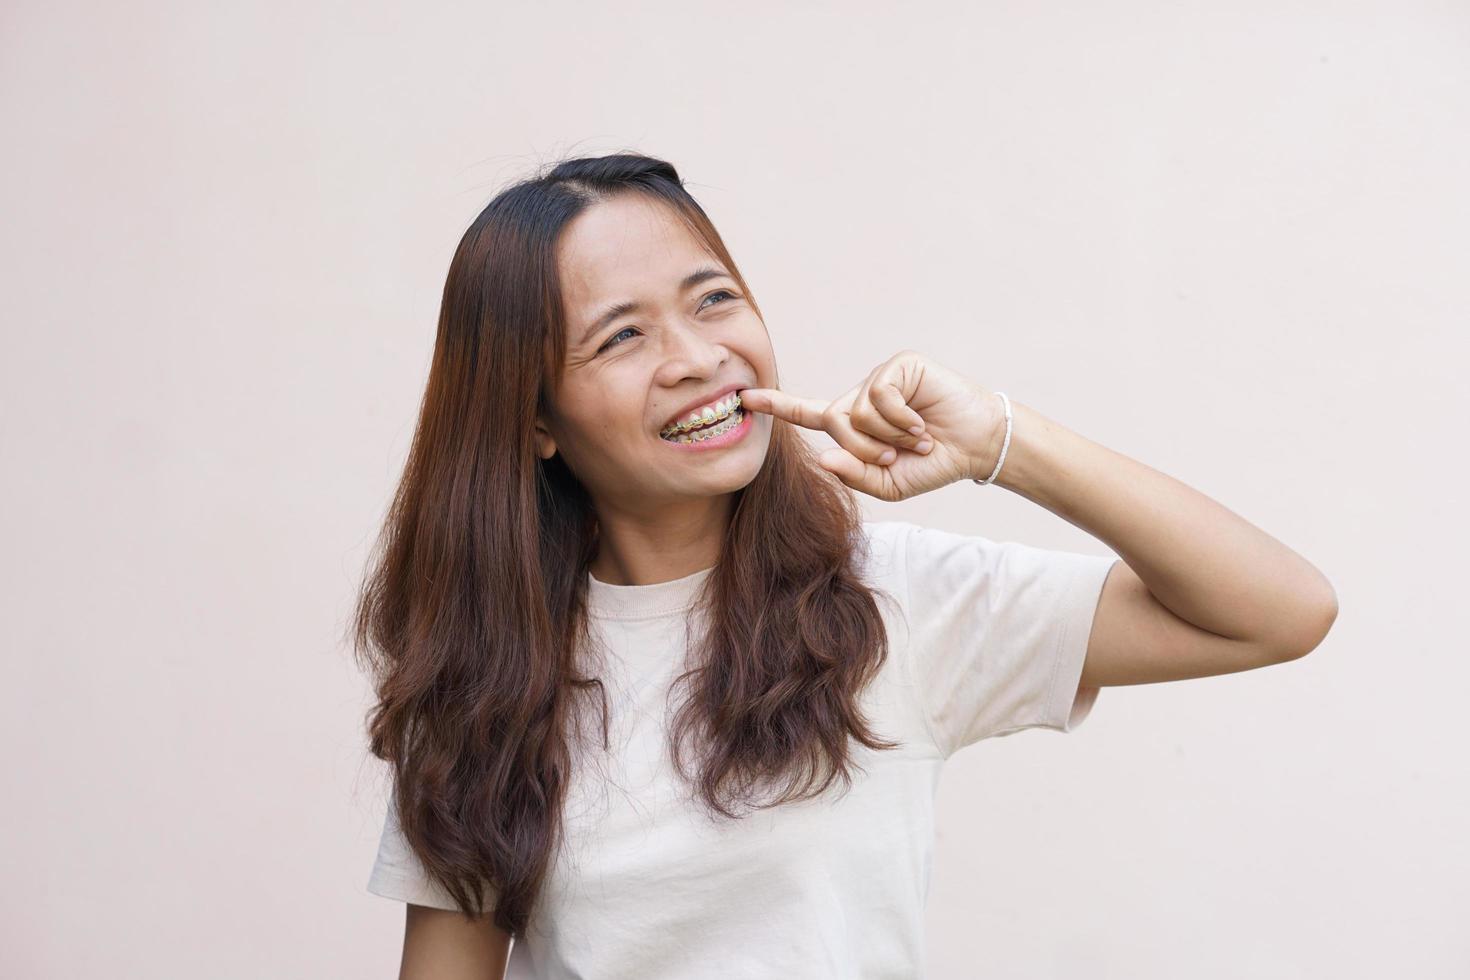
680 341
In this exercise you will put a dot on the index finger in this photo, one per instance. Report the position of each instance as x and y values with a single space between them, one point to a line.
806 412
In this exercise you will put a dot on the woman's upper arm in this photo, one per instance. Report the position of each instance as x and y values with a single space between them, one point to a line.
445 945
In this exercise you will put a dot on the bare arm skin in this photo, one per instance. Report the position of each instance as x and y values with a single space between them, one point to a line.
444 945
1200 590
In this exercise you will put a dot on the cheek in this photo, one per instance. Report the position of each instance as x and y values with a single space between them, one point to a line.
610 421
604 411
764 362
753 344
763 355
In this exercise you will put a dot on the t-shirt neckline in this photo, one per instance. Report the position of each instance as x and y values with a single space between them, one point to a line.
642 601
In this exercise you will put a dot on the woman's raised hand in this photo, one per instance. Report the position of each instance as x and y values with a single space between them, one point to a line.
910 427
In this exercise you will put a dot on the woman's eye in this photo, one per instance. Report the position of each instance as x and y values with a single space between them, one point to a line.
614 337
718 292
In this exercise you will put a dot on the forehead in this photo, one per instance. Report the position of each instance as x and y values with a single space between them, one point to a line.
623 248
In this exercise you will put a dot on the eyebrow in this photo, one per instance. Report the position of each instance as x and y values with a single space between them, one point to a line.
628 306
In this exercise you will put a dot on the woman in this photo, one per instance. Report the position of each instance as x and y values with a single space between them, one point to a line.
607 491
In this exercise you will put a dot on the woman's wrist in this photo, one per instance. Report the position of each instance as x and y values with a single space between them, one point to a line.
992 442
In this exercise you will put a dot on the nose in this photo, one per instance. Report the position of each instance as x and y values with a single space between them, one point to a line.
689 351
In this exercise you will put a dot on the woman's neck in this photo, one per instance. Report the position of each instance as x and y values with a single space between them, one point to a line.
644 550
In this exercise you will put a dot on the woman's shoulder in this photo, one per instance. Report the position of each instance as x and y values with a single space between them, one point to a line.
885 544
887 532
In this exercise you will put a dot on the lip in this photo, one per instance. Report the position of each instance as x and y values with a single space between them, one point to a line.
747 423
702 400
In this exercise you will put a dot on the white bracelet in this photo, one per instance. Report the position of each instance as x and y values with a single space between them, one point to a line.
1004 446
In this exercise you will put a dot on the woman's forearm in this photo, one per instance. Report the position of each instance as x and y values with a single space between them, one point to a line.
1207 564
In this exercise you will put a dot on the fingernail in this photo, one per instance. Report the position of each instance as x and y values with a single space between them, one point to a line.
923 445
888 456
916 430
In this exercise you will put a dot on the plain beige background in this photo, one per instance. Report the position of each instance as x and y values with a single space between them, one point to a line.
1228 240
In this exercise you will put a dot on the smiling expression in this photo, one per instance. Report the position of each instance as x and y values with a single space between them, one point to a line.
655 326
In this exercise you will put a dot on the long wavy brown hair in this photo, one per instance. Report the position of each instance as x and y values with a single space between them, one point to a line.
472 612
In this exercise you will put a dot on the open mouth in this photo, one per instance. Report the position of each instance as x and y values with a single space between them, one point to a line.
711 431
712 420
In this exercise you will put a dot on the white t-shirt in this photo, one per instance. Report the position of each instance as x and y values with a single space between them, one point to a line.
985 639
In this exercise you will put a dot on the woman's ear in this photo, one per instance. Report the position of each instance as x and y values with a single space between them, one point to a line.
545 444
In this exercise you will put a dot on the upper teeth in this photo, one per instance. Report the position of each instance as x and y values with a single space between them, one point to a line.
707 414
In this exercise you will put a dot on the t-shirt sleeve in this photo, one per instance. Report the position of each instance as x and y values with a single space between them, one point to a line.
998 634
397 872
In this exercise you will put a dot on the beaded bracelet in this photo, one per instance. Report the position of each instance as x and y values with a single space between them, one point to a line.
1004 446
